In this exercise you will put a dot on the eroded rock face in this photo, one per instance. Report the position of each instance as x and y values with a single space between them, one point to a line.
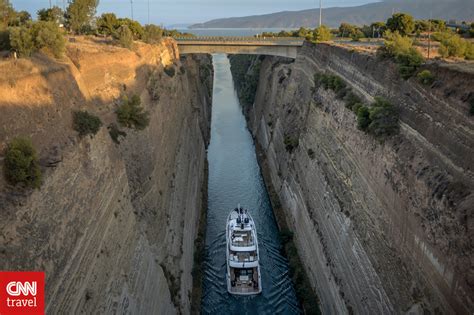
381 227
113 226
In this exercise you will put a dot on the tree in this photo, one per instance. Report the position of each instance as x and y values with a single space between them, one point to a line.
80 13
401 22
6 13
124 36
133 26
21 163
54 14
21 40
152 34
107 23
48 35
130 113
85 123
347 30
322 34
383 119
455 46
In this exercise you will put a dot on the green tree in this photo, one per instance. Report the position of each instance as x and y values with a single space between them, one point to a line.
383 119
347 30
363 118
107 23
426 77
80 14
124 36
48 35
7 13
322 34
85 123
152 34
455 46
54 14
21 163
21 40
401 22
133 26
131 114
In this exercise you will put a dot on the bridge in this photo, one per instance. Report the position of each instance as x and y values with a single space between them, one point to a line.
274 46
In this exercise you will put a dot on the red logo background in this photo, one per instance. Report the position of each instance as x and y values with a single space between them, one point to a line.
8 276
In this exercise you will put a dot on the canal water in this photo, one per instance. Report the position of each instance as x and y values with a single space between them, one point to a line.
235 177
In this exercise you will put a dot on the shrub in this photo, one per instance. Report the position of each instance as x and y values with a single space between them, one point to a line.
351 99
322 34
152 34
107 23
356 106
80 14
48 35
363 118
383 119
425 77
455 46
4 39
291 143
124 36
115 133
131 114
21 163
409 63
85 123
401 49
21 40
402 23
170 70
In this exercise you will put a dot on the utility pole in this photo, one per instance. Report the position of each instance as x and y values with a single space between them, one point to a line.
50 6
320 13
148 11
131 7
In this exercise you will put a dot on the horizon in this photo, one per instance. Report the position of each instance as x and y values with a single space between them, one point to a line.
183 12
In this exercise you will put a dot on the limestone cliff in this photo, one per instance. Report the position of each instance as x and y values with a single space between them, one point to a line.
382 227
113 225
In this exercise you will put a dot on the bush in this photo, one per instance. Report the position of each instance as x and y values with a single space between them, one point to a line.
290 143
21 163
455 46
21 40
402 23
85 123
170 70
48 35
131 114
351 99
115 133
152 34
425 77
322 34
383 119
401 49
363 118
107 23
35 36
124 36
4 39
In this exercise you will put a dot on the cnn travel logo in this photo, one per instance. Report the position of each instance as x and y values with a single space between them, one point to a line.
21 293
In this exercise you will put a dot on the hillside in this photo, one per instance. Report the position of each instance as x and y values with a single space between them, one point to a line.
450 9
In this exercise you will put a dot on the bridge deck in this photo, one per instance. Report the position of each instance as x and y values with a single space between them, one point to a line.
241 41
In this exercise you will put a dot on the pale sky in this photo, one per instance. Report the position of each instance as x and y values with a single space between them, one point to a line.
168 12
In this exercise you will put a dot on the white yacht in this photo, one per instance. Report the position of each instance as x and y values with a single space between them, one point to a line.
243 270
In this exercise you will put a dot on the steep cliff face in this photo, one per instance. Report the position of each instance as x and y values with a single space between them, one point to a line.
382 227
113 225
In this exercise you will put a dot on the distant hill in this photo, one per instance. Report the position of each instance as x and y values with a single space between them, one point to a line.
460 10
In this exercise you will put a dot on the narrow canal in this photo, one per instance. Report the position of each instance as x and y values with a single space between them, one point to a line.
234 177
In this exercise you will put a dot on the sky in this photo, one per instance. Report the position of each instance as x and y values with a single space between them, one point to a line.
172 12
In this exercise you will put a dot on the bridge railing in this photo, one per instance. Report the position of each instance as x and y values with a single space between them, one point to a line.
238 39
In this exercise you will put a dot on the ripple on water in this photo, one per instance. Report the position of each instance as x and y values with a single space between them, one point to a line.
234 177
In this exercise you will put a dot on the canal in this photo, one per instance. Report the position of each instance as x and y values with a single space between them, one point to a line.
235 177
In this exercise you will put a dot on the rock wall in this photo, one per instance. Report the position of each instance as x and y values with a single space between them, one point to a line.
381 227
113 225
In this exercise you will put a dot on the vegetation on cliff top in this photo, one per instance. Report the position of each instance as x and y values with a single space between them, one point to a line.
21 163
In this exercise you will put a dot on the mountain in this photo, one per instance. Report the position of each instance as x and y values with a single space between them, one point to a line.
459 10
